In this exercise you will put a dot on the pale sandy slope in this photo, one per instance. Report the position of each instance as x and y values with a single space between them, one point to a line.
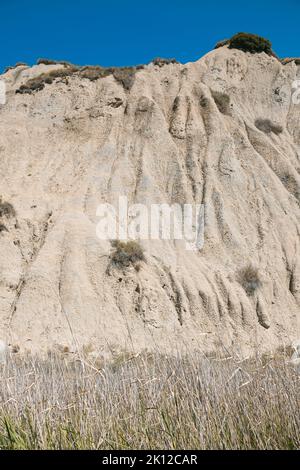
67 148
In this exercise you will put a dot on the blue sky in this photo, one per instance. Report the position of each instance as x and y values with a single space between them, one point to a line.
128 32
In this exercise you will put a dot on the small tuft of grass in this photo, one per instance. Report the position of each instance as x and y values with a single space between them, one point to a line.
46 62
125 76
222 101
94 72
3 228
287 60
7 210
225 42
126 253
267 126
249 279
160 61
54 62
18 64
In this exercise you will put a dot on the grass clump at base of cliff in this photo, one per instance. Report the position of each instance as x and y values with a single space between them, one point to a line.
267 126
149 401
249 279
250 43
126 253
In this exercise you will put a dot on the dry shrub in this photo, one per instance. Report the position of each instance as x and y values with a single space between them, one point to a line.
160 61
291 184
7 210
126 253
222 101
203 101
225 42
18 64
267 126
249 279
38 83
54 62
3 228
94 72
287 60
125 76
46 62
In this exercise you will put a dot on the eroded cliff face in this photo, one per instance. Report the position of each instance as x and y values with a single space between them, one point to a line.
78 143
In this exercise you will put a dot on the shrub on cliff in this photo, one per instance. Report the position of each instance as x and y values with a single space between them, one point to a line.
38 83
222 101
222 43
161 61
267 126
249 279
125 76
250 43
7 210
54 62
126 253
3 228
94 72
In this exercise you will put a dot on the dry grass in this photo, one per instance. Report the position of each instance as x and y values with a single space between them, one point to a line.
161 61
54 62
94 72
123 75
38 83
7 209
287 60
149 402
267 126
18 64
222 43
3 228
222 101
126 253
249 278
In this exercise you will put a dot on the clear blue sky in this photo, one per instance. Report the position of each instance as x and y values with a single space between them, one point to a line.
120 32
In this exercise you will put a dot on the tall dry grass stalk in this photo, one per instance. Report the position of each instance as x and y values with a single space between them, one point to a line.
149 402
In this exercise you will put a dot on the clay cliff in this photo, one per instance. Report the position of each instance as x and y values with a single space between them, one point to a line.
222 131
